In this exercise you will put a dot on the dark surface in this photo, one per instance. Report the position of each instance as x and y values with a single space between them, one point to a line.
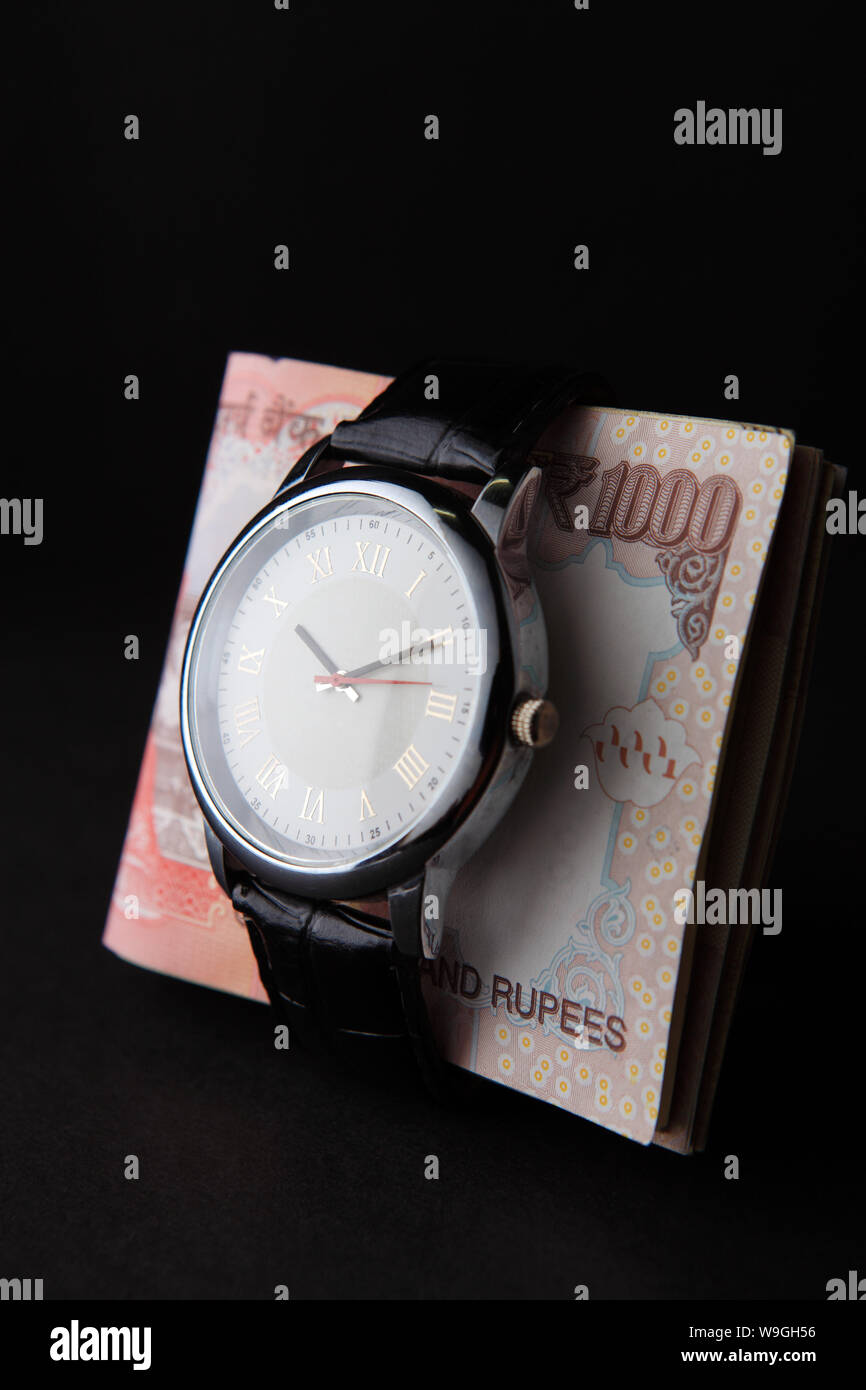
306 127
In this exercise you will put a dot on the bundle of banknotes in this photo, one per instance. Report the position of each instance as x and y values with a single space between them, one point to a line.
594 947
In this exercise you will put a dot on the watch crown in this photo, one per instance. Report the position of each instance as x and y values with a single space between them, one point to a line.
534 722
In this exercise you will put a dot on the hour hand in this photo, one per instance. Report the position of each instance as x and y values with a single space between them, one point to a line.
329 665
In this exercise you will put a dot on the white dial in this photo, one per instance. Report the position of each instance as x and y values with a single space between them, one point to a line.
343 669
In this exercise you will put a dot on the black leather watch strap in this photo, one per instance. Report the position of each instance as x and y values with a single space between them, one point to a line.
339 982
324 973
483 418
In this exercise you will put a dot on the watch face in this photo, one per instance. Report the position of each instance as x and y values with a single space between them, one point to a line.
337 677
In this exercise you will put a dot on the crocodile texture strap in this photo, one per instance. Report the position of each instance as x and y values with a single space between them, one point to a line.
483 419
339 982
324 973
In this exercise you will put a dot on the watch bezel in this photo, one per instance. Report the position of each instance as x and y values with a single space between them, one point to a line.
449 516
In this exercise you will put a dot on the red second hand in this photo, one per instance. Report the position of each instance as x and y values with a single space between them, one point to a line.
336 680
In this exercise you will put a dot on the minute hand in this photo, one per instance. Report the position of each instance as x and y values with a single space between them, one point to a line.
399 658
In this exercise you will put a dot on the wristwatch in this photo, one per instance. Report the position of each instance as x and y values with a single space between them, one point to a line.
363 684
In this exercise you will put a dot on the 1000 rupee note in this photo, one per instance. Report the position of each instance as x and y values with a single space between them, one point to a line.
562 947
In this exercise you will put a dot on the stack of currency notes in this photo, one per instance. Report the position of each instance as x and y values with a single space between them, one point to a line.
594 946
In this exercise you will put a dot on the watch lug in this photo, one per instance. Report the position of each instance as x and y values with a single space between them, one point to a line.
438 879
405 904
299 470
217 856
504 507
491 505
418 908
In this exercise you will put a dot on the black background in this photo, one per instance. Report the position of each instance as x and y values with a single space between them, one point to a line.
156 257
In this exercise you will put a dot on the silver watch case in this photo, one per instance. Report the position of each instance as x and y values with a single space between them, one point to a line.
491 770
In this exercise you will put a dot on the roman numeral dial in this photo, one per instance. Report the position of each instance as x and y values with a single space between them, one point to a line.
370 560
278 603
340 688
320 560
248 721
411 766
314 806
272 776
441 704
250 662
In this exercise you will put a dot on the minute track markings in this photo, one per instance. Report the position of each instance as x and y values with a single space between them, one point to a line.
340 624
